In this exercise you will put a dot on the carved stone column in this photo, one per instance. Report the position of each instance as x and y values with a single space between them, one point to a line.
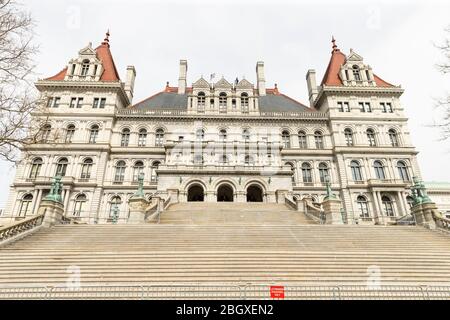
137 207
53 212
423 214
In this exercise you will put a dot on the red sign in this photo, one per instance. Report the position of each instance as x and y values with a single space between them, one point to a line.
277 292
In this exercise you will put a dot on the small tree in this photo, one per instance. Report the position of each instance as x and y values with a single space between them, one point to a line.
444 103
18 97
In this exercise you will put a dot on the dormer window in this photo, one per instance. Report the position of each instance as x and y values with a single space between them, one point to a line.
356 73
201 99
244 102
222 102
84 68
73 69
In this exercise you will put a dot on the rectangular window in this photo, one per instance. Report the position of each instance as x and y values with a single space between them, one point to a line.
72 102
49 102
95 103
386 107
102 103
365 107
80 102
340 106
56 102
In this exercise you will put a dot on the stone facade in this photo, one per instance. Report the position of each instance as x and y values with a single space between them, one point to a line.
218 141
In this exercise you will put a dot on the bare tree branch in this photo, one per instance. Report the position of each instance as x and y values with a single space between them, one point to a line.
443 105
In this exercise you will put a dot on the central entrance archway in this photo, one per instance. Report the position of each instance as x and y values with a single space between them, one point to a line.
225 193
196 193
254 193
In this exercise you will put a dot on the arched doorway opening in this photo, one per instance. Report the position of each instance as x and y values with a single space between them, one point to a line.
195 193
254 193
225 193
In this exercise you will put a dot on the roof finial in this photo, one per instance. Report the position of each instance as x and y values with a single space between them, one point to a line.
106 40
333 41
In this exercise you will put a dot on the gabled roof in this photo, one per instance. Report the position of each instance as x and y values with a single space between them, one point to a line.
103 53
331 76
169 99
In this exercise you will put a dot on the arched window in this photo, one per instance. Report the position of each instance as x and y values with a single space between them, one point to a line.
403 171
25 205
199 134
222 102
348 137
363 207
84 68
93 134
306 172
323 172
303 143
80 201
201 99
318 138
61 167
159 138
86 168
388 206
154 176
356 73
70 131
393 137
120 171
116 202
46 131
138 169
142 140
286 138
125 137
356 170
371 137
223 135
35 168
244 102
249 160
246 135
379 170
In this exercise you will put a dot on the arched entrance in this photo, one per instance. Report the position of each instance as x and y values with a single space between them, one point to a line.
195 193
225 193
254 193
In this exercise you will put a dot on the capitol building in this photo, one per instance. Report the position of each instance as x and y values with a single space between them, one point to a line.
217 140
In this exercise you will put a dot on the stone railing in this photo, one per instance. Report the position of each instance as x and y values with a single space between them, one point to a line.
314 213
441 222
18 229
407 220
290 203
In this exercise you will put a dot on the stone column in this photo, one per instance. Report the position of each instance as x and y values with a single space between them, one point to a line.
423 214
53 212
380 216
137 207
332 210
401 204
377 212
280 195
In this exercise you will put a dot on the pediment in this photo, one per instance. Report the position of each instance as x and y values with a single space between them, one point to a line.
244 83
87 51
354 57
222 83
200 83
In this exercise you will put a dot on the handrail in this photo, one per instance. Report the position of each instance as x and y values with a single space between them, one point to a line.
11 231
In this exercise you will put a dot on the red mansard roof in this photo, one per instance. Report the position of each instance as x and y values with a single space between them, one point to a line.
331 76
104 55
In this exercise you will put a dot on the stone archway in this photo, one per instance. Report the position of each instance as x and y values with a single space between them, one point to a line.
225 193
255 193
196 193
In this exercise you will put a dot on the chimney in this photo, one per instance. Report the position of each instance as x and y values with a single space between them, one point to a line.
129 84
312 86
182 78
260 78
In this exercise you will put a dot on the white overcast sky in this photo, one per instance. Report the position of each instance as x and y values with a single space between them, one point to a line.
228 37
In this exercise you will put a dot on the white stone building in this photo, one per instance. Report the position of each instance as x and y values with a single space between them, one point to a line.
222 141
